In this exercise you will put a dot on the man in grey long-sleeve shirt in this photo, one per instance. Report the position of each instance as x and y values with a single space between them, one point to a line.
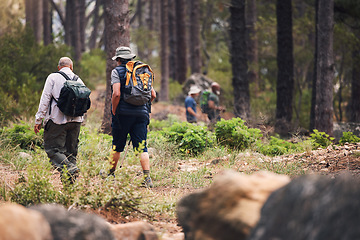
61 132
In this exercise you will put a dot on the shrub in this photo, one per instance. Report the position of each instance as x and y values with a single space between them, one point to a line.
23 135
156 125
277 146
25 64
320 139
235 134
37 188
191 139
348 137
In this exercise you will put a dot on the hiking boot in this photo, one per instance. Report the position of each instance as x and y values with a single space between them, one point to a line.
147 183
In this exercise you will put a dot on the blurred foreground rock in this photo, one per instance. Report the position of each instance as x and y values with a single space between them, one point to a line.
74 224
19 223
229 208
134 231
312 207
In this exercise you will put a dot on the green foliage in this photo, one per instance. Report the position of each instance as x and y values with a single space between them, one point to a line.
24 67
235 134
22 135
93 65
320 139
277 146
348 137
156 125
37 188
191 139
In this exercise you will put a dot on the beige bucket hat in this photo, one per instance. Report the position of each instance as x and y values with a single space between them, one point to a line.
123 52
194 89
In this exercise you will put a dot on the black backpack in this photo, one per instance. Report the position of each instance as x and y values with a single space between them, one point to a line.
74 99
139 80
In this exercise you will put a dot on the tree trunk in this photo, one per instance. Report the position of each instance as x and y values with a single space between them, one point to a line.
151 15
164 93
181 40
47 23
325 67
82 25
34 13
195 58
355 88
117 34
285 63
95 23
313 93
76 33
252 44
69 20
239 60
172 40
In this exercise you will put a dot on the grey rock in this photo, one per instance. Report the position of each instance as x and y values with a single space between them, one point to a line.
312 207
74 224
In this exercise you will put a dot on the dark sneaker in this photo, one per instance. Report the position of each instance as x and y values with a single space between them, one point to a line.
147 183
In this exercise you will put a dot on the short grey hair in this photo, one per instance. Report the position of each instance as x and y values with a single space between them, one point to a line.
65 61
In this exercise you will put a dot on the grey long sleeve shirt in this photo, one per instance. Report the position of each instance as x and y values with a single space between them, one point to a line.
52 88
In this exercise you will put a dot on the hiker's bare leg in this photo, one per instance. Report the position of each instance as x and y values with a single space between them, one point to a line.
144 160
114 161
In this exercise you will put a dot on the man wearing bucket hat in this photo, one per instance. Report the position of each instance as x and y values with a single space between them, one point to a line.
190 104
128 118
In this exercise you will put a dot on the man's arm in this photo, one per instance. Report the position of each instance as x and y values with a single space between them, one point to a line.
115 96
191 111
153 94
44 103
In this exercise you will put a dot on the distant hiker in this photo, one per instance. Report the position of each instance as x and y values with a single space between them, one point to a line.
213 108
61 132
131 118
190 104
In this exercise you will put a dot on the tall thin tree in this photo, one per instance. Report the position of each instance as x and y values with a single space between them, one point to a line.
324 67
285 63
238 57
252 44
172 40
181 41
117 33
194 46
164 93
47 23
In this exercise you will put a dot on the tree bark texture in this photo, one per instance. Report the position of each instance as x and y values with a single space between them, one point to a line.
164 93
117 34
95 25
285 63
172 40
181 41
34 13
195 57
325 67
355 88
47 23
252 44
313 93
239 60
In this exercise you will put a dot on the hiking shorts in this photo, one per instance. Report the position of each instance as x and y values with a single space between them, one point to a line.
123 125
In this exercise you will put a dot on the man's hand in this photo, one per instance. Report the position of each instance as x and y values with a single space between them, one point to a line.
37 128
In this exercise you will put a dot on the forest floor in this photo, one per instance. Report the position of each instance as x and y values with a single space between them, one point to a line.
331 161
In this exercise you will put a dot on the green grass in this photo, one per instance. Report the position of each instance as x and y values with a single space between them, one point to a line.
40 183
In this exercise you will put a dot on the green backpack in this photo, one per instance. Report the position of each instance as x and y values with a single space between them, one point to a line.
74 99
204 101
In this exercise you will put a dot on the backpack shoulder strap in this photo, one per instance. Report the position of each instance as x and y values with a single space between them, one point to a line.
75 78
